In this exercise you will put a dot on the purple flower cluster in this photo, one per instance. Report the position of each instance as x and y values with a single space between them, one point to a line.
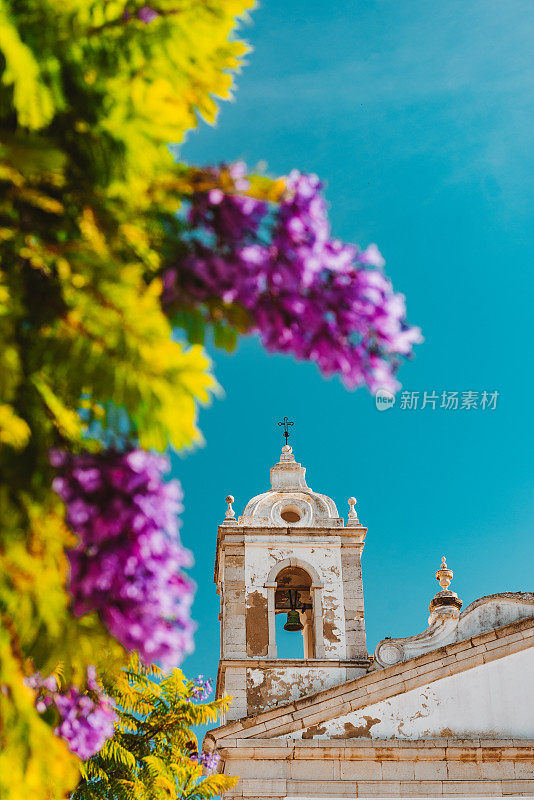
208 760
202 689
85 722
129 563
307 294
145 14
85 725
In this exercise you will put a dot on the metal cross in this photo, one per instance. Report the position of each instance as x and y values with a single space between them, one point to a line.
286 423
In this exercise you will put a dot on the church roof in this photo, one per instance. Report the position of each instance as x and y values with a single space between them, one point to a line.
309 716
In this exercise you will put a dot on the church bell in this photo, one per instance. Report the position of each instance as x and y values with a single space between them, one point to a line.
293 621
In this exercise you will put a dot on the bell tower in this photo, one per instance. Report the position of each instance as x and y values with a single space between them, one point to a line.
288 553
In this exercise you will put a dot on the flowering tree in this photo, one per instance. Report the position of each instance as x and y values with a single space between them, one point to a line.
154 752
106 243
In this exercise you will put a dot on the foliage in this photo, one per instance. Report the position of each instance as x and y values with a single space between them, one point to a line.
25 735
150 755
112 90
91 93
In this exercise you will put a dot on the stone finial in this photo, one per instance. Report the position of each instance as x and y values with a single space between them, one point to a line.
444 575
230 513
287 473
353 516
287 454
445 599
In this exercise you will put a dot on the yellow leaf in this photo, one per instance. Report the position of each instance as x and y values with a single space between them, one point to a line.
34 763
32 98
66 420
14 431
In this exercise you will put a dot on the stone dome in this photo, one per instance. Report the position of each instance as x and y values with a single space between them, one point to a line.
290 502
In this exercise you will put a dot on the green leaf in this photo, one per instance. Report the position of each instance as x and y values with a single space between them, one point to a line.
224 337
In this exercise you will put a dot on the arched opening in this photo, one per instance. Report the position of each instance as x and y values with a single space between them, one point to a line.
291 514
295 586
293 598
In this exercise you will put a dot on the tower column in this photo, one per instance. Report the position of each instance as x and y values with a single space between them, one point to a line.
318 628
271 588
233 628
351 566
353 595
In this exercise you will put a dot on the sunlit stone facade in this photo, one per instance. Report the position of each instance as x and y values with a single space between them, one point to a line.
449 711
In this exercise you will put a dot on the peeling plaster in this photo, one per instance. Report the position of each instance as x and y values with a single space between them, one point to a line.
269 687
493 701
357 732
330 629
314 730
257 625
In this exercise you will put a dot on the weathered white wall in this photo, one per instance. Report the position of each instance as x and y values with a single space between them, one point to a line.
273 686
261 554
494 700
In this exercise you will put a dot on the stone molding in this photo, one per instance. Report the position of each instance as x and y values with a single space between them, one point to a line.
441 767
363 749
470 768
440 632
526 598
263 662
239 531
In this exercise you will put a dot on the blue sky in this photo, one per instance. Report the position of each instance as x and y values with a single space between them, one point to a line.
418 117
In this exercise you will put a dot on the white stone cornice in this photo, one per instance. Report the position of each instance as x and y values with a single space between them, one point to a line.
447 625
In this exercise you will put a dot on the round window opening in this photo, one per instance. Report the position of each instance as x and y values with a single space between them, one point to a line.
291 514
